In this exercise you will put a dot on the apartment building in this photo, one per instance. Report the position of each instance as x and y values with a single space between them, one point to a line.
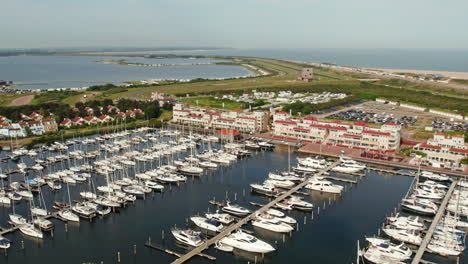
444 150
358 135
246 122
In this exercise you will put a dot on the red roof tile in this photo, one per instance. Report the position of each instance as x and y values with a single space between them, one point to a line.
465 151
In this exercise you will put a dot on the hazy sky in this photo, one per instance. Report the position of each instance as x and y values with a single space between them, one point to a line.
235 23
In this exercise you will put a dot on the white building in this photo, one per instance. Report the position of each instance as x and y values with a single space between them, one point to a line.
247 122
444 150
358 135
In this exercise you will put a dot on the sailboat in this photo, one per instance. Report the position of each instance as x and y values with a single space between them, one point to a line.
67 214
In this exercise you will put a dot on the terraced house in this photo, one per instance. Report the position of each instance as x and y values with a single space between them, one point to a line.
444 150
246 122
358 135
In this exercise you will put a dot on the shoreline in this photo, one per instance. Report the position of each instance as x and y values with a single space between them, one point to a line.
449 74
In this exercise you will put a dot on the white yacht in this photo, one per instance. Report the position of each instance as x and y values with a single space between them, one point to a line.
434 176
225 219
390 249
406 236
235 209
298 203
208 224
37 211
316 163
406 222
280 184
419 206
188 237
271 223
30 230
284 177
265 188
69 215
303 169
88 195
319 184
17 219
246 242
375 256
43 224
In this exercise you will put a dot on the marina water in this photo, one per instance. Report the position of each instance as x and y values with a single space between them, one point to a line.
329 238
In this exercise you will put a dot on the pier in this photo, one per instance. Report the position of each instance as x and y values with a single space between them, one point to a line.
245 220
435 222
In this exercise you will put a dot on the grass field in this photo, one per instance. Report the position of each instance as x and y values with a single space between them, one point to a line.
283 77
212 102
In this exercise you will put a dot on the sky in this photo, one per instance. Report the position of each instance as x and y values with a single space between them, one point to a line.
414 24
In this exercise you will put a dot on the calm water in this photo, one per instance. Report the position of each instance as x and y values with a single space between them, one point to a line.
442 60
42 72
330 238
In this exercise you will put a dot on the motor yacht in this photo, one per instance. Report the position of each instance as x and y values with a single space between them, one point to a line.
373 255
84 211
398 251
188 237
297 202
316 163
265 188
225 219
406 236
419 206
406 222
154 186
303 169
43 224
208 224
246 242
434 176
235 209
280 184
319 184
271 223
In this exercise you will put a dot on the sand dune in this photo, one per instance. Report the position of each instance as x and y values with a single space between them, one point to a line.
453 75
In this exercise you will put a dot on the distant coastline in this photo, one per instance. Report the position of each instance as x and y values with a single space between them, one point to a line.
449 74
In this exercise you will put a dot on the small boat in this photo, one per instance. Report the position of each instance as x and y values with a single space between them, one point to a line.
68 215
188 237
31 230
37 211
4 243
235 209
419 206
406 236
16 219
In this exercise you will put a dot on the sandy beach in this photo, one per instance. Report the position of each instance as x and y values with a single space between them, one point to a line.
453 75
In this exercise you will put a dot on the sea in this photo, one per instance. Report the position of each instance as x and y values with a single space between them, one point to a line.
44 72
329 235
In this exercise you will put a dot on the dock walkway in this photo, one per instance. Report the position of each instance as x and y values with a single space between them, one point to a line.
435 222
245 220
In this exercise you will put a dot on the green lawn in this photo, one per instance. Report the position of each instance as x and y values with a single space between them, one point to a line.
212 102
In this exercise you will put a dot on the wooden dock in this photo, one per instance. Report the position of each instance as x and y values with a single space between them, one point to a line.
170 252
435 222
403 173
245 220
